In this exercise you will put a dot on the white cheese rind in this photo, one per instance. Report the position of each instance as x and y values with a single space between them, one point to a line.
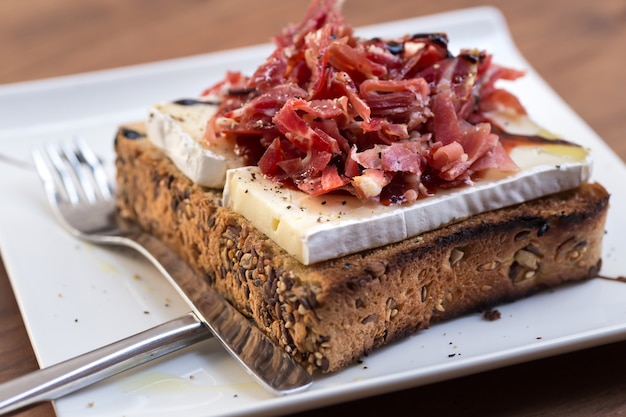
178 130
314 229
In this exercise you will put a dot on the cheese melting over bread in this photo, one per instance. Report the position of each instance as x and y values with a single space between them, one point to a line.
313 229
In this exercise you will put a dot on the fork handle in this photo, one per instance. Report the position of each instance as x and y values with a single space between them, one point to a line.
73 374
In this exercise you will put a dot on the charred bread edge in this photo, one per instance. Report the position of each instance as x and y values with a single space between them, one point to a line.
330 314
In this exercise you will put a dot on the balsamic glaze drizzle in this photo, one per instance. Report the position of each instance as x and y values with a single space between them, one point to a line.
132 134
194 102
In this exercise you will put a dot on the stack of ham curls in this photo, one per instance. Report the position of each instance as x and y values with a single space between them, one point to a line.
386 120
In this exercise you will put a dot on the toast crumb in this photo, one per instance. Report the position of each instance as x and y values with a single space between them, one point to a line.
491 315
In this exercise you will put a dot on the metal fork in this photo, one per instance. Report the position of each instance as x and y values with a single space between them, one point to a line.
83 200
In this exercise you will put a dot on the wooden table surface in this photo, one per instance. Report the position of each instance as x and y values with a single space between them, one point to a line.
578 47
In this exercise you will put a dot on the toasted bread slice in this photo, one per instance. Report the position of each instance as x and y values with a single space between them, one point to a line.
329 314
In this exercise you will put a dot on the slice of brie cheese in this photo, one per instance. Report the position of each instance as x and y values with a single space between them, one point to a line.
178 130
314 229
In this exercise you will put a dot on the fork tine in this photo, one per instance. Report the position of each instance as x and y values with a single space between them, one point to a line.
46 176
97 169
63 176
75 163
72 172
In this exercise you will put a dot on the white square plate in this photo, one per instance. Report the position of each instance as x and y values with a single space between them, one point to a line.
76 297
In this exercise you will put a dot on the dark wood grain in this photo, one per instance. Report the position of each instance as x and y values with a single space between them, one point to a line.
576 46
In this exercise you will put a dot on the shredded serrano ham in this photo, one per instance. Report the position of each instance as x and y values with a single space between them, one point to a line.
391 120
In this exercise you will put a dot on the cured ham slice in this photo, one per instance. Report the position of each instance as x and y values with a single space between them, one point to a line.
386 119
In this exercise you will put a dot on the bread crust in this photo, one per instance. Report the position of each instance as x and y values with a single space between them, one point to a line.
330 314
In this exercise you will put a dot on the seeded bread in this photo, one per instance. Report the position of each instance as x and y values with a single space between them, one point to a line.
329 314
